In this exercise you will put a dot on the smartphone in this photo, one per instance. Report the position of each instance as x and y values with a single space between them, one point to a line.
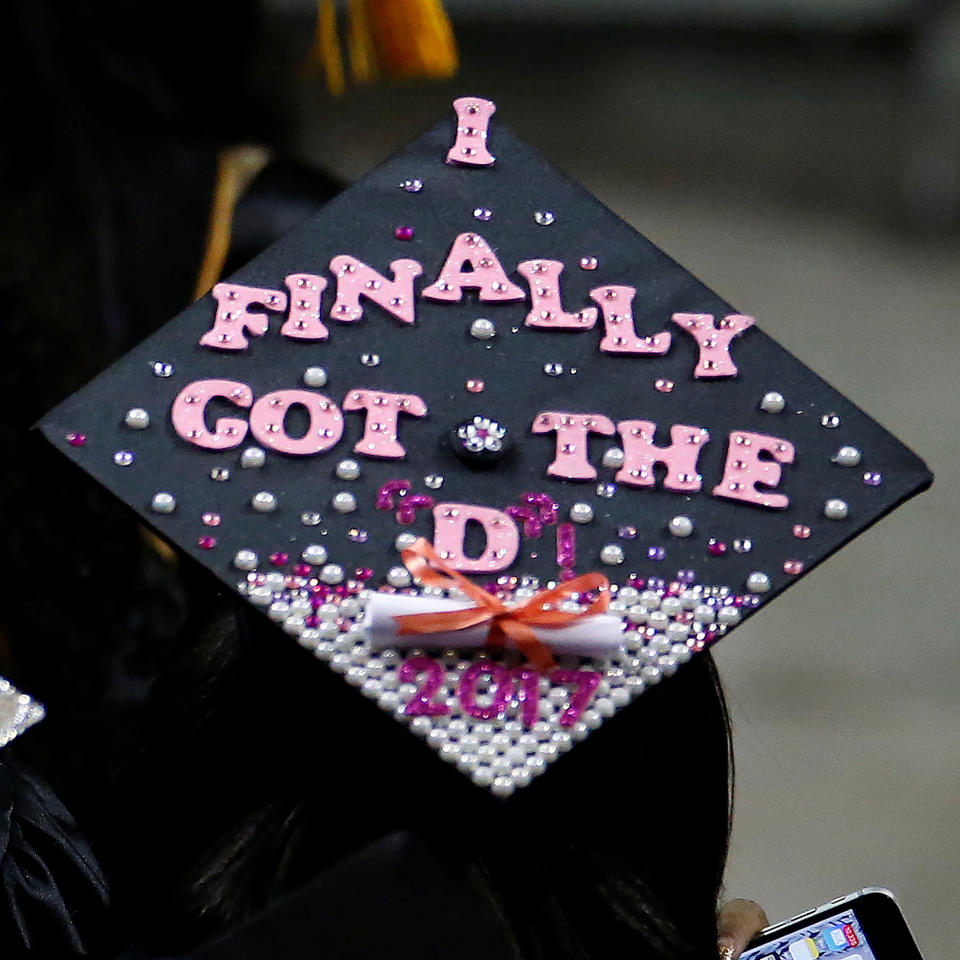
866 925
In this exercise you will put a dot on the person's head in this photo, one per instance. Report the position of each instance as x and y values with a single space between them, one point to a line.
259 767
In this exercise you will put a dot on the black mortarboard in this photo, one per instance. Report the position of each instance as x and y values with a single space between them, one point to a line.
467 348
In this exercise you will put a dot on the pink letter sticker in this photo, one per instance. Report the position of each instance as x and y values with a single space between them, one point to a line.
744 469
571 461
485 273
547 311
680 458
713 340
189 408
233 315
620 335
355 279
380 430
306 298
450 529
323 431
473 122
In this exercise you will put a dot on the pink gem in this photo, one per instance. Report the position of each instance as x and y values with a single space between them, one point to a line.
76 439
588 263
793 567
363 573
279 559
716 548
664 386
311 620
206 543
475 386
210 519
302 569
801 531
403 233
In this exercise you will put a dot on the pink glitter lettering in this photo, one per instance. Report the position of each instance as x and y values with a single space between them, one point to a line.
744 469
586 682
323 431
450 528
473 123
680 458
546 309
233 315
501 695
189 410
571 461
620 335
380 429
527 692
306 299
485 273
355 280
422 703
713 339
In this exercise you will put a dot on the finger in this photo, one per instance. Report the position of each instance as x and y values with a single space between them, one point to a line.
738 923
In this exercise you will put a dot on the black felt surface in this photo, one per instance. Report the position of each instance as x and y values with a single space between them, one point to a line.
435 357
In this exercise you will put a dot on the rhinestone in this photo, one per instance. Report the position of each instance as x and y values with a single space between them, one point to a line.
315 377
664 386
161 368
793 567
872 479
434 481
310 518
847 456
801 531
656 553
263 502
483 329
404 233
210 519
357 535
220 474
553 369
744 545
123 458
370 359
588 263
482 213
544 217
414 185
475 386
830 420
163 502
606 490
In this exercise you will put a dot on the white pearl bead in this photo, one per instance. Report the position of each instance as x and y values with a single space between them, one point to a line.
137 418
704 613
163 502
482 776
758 582
772 402
314 553
252 457
348 470
483 329
613 457
581 512
612 553
681 526
847 456
264 502
278 610
245 560
344 502
398 577
315 377
650 674
671 606
835 509
404 541
727 616
331 573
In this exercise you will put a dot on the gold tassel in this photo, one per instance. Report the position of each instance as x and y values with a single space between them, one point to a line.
363 58
325 51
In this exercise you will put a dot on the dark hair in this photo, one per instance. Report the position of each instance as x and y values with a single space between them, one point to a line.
622 842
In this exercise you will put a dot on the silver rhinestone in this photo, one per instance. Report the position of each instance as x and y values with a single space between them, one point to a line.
830 420
137 418
758 582
398 577
252 457
348 470
544 217
606 490
553 369
613 457
483 329
612 553
434 481
681 526
310 518
370 359
581 512
744 545
405 540
263 502
314 553
847 456
413 185
245 560
482 213
835 509
161 368
344 502
315 377
163 502
220 474
123 458
772 402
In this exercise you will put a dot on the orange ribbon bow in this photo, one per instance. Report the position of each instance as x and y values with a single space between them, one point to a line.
517 623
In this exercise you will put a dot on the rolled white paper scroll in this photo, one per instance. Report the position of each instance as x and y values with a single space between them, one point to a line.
594 636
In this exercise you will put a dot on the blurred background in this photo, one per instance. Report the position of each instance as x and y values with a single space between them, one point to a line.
802 157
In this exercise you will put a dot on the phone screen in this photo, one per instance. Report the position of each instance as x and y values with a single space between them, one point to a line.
839 937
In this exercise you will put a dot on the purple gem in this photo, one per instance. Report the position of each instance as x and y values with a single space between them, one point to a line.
686 576
655 583
357 535
403 233
872 479
656 553
716 548
76 439
206 543
627 532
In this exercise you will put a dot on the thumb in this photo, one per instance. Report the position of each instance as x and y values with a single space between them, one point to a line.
739 921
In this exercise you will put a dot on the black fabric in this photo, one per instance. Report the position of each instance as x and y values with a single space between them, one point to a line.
54 895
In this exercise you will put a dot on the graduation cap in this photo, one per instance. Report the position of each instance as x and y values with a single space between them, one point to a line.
487 451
